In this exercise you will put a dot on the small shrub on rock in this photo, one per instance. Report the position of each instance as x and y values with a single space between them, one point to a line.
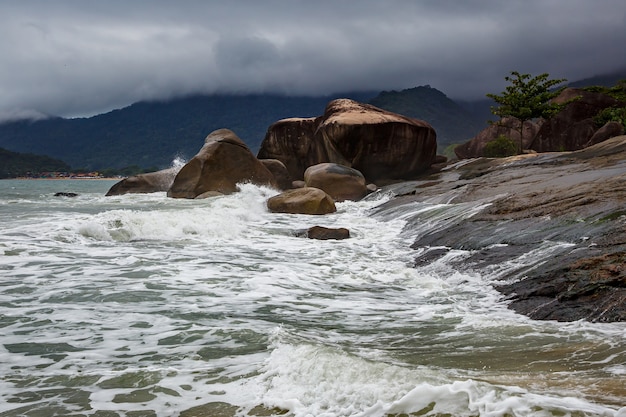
500 147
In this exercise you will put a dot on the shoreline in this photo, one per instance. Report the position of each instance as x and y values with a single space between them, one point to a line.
574 197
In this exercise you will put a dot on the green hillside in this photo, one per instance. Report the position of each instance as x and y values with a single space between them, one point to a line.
13 164
152 134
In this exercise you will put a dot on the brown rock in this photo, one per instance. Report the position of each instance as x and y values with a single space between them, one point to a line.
378 143
292 142
572 128
151 182
223 162
440 159
280 173
508 126
338 181
591 288
306 200
608 131
326 233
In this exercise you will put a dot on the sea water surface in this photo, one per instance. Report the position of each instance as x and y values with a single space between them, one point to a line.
142 305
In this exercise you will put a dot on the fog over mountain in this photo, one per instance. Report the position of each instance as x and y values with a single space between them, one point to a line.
70 58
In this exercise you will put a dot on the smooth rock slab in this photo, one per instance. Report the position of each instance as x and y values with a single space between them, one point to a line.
577 198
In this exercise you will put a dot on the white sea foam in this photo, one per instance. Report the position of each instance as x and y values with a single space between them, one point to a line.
178 162
140 302
323 381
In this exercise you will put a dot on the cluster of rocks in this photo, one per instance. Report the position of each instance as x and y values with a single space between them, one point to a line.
573 128
380 144
315 161
376 146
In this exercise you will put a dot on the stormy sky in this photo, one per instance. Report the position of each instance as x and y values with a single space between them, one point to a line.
82 57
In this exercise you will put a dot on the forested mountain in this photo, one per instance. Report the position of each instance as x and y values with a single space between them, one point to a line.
152 134
604 80
14 164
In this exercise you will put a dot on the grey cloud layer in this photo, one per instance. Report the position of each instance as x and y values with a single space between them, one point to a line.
82 57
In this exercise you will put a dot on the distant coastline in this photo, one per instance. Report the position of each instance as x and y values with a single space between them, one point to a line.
65 176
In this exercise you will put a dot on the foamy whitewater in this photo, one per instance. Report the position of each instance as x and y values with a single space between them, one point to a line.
142 305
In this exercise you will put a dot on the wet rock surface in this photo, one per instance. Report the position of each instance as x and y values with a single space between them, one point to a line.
151 182
221 164
307 200
592 288
324 233
565 213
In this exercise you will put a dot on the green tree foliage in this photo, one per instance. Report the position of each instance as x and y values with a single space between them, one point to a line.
612 114
527 98
500 147
448 151
618 91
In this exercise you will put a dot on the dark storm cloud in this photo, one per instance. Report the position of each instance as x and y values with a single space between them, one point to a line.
82 57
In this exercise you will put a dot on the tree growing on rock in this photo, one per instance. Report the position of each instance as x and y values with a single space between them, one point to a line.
527 98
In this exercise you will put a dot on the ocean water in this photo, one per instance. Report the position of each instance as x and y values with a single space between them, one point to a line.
141 305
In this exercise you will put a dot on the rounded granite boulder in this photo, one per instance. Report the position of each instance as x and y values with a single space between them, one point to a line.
307 200
339 181
223 162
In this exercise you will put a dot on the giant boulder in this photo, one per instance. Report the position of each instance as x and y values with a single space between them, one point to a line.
223 162
380 144
338 181
151 182
573 127
292 142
